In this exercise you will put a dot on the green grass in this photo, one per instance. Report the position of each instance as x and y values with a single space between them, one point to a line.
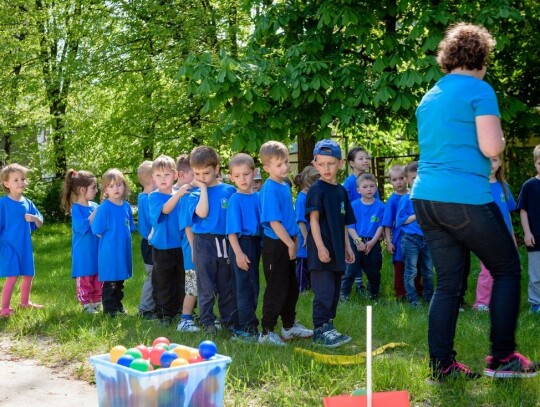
263 375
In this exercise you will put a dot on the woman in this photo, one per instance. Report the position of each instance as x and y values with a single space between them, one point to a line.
458 131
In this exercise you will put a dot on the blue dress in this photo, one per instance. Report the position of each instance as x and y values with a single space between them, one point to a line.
15 241
84 244
114 223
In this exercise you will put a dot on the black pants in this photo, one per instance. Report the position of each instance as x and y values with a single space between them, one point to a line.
168 282
111 296
281 292
326 286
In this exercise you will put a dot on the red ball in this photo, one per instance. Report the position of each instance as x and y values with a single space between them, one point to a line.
195 359
155 355
145 351
161 339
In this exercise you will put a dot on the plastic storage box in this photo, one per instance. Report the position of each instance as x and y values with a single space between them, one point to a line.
196 385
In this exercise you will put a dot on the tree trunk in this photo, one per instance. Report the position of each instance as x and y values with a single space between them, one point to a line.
306 143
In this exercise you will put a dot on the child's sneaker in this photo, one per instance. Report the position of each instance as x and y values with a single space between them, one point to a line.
89 309
147 315
218 325
455 371
514 365
329 337
187 325
6 313
482 308
96 305
271 338
243 336
296 331
210 330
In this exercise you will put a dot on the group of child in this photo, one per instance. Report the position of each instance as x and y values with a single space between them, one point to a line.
203 239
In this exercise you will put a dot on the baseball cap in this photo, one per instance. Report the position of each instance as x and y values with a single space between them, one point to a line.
327 147
257 174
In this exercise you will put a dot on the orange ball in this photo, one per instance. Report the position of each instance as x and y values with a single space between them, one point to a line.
116 352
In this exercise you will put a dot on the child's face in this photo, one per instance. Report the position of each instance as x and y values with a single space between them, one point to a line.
397 179
495 164
242 176
115 190
257 184
360 162
164 179
185 176
367 188
537 165
206 175
328 167
16 183
410 177
90 192
278 168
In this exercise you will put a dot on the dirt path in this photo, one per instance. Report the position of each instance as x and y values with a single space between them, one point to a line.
27 383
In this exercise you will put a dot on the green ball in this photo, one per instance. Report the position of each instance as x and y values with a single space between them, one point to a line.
136 353
141 365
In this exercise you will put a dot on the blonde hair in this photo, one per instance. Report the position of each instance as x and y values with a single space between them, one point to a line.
73 182
536 152
394 168
8 169
113 175
182 163
241 159
307 177
144 171
272 149
163 163
366 176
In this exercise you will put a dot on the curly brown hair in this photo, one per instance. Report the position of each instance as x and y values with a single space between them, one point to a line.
465 46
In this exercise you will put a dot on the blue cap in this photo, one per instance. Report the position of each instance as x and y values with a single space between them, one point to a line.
327 147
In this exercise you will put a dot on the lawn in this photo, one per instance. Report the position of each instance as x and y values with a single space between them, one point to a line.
264 375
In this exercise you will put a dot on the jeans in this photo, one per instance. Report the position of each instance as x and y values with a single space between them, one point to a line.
247 283
451 230
353 274
417 258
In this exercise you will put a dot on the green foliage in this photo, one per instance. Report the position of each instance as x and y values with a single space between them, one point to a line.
45 194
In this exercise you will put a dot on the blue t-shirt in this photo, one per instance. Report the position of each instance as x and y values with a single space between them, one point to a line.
84 244
166 232
451 167
218 202
300 210
506 204
406 209
16 254
351 187
114 223
144 225
335 212
185 219
529 201
389 220
276 205
243 217
368 217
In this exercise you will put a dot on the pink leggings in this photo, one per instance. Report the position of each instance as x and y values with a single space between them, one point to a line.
483 287
7 290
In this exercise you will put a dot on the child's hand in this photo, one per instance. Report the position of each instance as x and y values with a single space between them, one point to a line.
242 261
390 248
184 189
197 184
361 246
324 255
529 239
292 250
30 218
349 255
368 246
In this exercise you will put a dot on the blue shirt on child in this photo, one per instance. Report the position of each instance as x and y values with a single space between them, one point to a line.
300 210
368 217
15 240
144 225
529 201
166 232
406 209
351 187
185 219
389 220
114 223
218 202
84 244
276 205
243 216
506 204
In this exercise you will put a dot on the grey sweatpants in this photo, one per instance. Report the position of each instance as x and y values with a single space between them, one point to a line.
534 277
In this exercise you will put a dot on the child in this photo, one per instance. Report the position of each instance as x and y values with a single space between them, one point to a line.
113 224
506 203
243 230
18 218
146 303
529 212
392 234
80 188
257 180
366 233
168 277
207 207
278 248
416 254
328 243
304 180
185 176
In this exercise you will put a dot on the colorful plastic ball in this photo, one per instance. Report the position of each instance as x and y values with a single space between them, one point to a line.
116 352
179 362
136 353
155 355
145 351
162 345
161 339
174 345
195 359
207 349
140 364
182 351
167 358
125 360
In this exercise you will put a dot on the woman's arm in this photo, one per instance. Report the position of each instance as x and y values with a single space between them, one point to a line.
490 136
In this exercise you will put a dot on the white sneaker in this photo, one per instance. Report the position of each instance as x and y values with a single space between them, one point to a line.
296 331
482 307
96 305
271 338
89 308
187 325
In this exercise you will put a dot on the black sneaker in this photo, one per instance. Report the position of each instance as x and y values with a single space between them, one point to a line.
455 371
148 315
210 330
165 321
514 365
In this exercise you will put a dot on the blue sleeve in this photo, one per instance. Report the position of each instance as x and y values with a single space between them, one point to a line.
2 217
270 209
510 202
99 225
300 208
485 101
34 211
79 220
155 206
132 227
403 211
234 217
188 204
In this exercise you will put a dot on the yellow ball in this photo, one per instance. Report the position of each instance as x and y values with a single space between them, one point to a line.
116 352
182 351
179 362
